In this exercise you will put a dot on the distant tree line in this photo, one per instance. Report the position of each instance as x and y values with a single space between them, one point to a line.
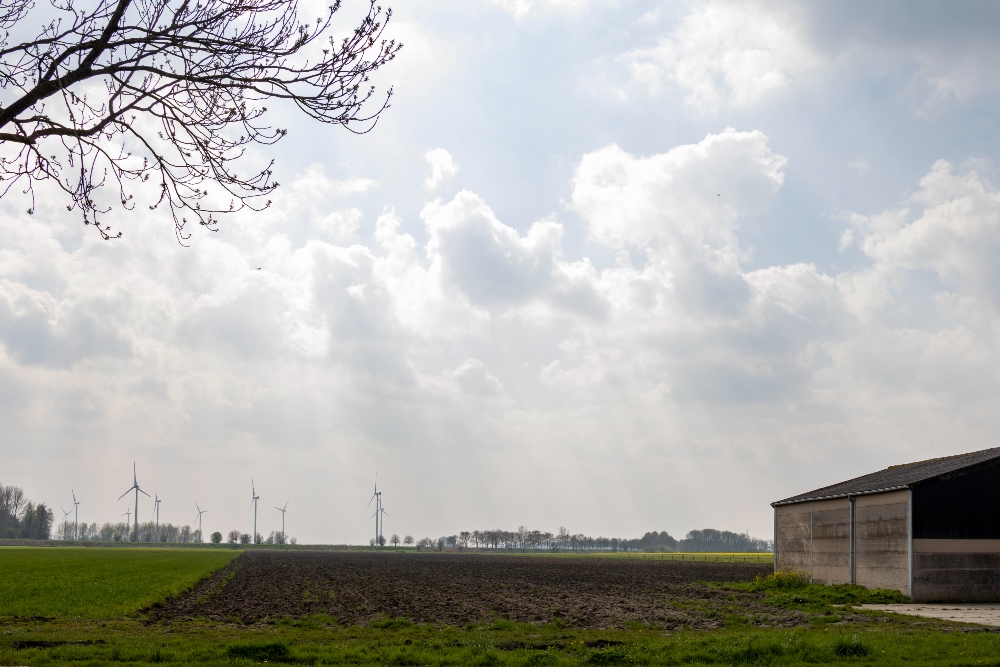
522 539
124 532
238 537
20 518
709 539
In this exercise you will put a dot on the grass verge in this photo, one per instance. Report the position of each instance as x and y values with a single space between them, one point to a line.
321 641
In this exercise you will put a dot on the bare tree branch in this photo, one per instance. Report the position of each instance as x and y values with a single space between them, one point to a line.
173 92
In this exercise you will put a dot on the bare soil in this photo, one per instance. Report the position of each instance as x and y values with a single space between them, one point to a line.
450 589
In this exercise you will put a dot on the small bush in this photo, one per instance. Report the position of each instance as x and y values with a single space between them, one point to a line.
487 660
851 648
758 654
885 596
610 656
273 651
781 580
386 623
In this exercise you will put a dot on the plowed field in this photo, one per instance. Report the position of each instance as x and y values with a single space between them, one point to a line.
365 588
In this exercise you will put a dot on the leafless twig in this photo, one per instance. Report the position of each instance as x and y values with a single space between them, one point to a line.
173 91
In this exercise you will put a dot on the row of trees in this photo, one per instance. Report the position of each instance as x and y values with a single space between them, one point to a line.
124 532
165 532
522 539
236 537
21 518
709 539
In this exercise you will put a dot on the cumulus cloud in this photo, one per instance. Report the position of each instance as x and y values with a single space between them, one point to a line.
950 227
521 8
727 54
490 262
733 54
695 192
442 168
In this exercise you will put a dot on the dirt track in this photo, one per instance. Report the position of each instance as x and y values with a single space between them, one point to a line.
358 588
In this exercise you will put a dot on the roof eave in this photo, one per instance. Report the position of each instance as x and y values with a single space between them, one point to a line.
834 496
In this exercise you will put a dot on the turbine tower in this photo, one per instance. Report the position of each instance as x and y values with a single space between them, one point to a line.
253 504
156 503
65 514
282 510
135 487
382 513
377 497
201 535
76 508
128 516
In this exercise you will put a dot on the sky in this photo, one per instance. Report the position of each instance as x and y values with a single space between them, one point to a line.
614 266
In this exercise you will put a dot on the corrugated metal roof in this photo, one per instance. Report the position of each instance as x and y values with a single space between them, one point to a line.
896 477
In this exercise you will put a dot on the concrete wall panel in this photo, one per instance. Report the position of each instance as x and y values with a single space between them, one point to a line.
956 570
831 541
792 527
881 542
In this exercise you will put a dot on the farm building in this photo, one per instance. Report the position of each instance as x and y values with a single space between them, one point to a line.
930 529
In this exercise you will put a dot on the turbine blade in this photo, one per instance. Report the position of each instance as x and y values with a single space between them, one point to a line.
142 492
124 494
135 480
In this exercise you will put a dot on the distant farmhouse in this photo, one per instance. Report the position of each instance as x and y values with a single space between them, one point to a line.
929 529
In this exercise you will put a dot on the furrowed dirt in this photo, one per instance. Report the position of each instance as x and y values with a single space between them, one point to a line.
365 588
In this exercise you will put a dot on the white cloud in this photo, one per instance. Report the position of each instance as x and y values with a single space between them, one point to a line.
442 168
733 54
690 196
950 227
473 378
522 8
727 54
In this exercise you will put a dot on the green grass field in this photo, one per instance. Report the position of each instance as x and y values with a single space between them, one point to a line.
97 583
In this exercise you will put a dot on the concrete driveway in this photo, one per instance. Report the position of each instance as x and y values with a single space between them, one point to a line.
981 614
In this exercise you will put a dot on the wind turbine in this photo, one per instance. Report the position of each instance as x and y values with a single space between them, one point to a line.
200 512
65 514
253 504
76 508
377 497
382 513
128 516
157 504
135 487
282 510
